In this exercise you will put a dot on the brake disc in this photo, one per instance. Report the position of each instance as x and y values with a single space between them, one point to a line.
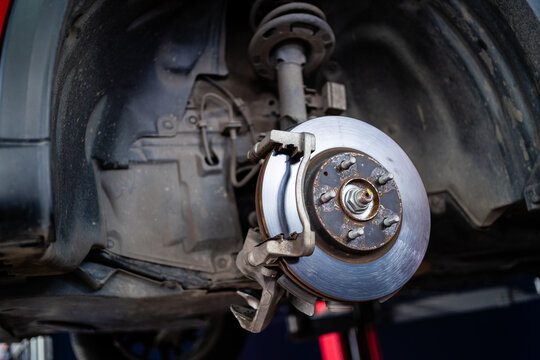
367 206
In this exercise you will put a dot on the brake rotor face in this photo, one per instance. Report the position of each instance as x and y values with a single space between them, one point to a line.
380 259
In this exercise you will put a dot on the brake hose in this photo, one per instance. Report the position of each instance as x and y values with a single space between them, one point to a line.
232 133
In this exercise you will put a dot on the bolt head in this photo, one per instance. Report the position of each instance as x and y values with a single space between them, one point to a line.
357 199
168 124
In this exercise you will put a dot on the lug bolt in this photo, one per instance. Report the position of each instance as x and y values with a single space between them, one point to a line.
353 234
384 178
391 220
345 164
327 196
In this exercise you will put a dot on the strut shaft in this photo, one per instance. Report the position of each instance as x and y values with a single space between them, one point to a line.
290 60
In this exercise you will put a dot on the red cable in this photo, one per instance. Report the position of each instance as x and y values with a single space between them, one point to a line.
331 344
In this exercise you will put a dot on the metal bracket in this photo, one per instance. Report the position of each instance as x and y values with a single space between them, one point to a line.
284 142
257 252
296 245
256 317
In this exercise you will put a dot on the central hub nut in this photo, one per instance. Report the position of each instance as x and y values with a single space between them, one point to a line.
359 199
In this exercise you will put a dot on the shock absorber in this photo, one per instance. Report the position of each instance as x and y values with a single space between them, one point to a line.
343 214
291 41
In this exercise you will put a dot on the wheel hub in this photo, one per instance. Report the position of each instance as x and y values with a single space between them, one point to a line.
352 219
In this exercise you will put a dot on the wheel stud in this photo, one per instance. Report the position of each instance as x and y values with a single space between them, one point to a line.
391 220
353 234
327 196
384 178
345 164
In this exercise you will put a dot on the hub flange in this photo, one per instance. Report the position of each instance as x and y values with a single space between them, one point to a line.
354 219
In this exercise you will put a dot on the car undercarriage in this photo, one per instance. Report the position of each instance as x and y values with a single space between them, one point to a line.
165 164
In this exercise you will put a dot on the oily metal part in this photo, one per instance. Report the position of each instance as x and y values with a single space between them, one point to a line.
320 272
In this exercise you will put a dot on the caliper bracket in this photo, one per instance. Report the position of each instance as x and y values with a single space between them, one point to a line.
257 253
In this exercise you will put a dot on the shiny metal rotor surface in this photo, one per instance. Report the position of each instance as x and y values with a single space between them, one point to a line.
320 271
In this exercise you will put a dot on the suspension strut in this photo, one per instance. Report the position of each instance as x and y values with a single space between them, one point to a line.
343 214
290 41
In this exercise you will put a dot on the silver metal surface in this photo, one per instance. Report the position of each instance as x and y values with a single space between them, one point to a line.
258 252
300 243
260 312
345 164
333 277
358 200
383 179
353 234
391 220
329 195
